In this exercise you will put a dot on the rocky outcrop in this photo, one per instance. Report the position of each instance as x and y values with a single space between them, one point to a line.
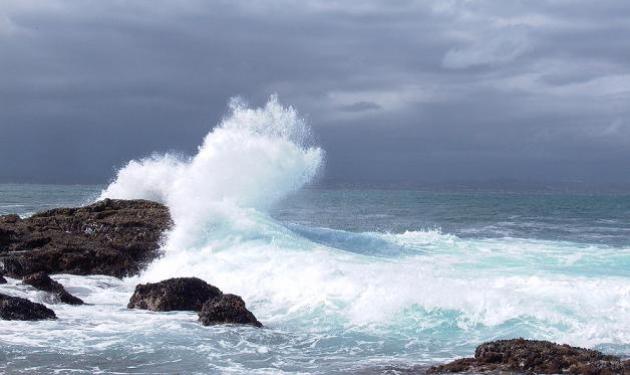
110 237
16 308
227 308
521 356
384 369
42 281
192 294
184 293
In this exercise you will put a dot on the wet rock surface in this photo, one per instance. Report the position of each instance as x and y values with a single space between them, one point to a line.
227 308
111 237
193 294
2 280
16 308
521 356
184 293
42 281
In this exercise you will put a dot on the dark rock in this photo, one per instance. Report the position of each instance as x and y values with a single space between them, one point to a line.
42 281
192 294
391 369
2 280
227 308
110 237
534 357
185 293
16 308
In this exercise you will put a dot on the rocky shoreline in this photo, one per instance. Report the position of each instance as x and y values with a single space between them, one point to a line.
111 237
120 237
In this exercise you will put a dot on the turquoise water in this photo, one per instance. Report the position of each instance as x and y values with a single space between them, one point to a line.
347 280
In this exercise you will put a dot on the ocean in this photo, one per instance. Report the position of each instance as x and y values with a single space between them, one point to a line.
345 279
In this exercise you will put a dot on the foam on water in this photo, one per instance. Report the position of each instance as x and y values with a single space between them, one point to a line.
332 300
295 275
253 158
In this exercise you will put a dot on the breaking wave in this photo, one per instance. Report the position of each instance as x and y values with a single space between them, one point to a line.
418 282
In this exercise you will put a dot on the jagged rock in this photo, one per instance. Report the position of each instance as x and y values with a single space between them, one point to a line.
110 237
227 308
185 293
521 356
42 281
192 294
16 308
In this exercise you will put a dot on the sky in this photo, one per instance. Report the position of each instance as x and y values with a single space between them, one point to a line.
397 92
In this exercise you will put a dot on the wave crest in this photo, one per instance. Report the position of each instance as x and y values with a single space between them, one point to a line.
254 157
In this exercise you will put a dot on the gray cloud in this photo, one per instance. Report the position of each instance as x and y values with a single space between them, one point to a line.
360 107
488 49
395 90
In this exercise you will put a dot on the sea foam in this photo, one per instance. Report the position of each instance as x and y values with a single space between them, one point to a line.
254 157
417 281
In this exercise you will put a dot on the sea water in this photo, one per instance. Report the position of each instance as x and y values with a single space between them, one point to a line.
345 279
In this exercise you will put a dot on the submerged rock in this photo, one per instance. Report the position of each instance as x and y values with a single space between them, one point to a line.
520 356
185 293
16 308
42 281
389 369
227 308
110 237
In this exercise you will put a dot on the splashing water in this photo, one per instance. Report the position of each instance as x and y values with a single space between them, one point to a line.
335 300
219 199
252 159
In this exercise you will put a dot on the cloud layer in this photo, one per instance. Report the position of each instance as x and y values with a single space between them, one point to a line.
410 91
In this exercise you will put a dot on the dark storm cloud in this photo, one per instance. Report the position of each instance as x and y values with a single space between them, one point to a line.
395 90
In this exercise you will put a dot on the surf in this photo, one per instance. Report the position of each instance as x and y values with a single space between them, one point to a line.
330 280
